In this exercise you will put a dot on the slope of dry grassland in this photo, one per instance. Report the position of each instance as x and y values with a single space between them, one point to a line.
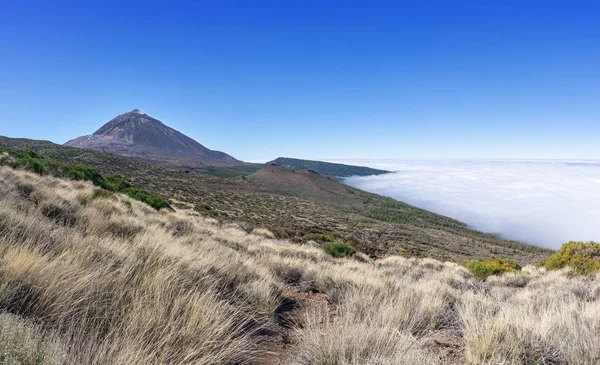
88 277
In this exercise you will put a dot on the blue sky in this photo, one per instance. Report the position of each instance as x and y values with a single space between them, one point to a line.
312 79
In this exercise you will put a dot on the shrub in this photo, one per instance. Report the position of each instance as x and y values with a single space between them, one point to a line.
117 183
86 173
31 164
491 266
339 249
155 201
320 237
583 257
102 194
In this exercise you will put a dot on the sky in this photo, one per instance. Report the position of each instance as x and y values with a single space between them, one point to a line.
541 202
312 79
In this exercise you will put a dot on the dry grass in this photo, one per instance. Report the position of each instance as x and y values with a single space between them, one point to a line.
87 278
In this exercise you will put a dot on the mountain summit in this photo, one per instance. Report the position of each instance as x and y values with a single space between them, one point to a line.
136 134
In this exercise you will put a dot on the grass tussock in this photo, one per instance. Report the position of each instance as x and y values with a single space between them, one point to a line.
88 279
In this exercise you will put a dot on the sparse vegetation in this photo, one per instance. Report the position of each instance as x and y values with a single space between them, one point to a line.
29 160
319 237
491 266
582 257
339 249
134 285
375 225
327 168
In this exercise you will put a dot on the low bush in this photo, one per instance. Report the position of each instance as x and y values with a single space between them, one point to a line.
583 257
491 266
339 249
31 164
117 183
154 200
320 237
102 194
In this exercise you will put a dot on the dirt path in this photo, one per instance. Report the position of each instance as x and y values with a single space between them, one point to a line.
448 346
280 342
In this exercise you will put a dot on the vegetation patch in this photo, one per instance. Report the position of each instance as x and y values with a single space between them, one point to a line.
102 194
583 257
320 237
154 200
339 249
491 266
32 161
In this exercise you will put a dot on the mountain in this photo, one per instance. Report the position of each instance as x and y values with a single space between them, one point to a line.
138 135
327 168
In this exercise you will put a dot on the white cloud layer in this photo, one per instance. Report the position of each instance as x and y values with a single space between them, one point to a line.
542 202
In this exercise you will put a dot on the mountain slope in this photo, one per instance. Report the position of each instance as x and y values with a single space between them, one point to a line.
326 168
138 135
307 184
374 224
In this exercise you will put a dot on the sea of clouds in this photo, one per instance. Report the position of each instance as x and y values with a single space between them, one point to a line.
543 202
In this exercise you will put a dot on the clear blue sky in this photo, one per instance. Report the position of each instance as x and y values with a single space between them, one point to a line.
312 79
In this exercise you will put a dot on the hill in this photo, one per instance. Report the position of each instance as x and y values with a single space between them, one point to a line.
326 168
138 135
90 278
306 184
374 224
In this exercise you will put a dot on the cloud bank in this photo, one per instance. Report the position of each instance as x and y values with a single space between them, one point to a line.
542 202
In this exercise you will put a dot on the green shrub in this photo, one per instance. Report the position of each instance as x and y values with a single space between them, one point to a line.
339 249
583 257
117 183
102 194
155 201
86 173
320 237
31 164
491 266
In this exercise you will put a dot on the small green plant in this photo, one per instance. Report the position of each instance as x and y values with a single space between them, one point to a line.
491 266
117 183
339 249
320 237
155 201
101 193
583 257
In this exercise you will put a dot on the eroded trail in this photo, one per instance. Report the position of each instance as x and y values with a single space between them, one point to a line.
281 341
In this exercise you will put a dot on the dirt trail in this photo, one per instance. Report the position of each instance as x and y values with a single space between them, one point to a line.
448 346
280 342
